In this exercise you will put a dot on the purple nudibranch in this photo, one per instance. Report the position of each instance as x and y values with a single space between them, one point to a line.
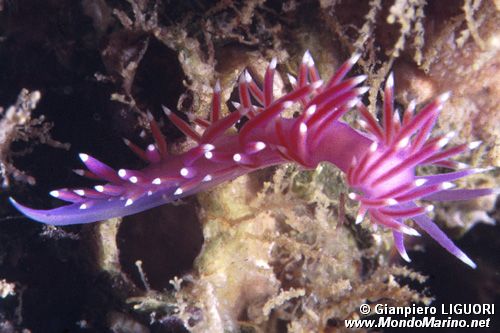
379 163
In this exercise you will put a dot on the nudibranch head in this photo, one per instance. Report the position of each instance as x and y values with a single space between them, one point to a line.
384 178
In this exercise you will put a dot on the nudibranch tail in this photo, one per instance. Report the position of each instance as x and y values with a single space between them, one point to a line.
219 155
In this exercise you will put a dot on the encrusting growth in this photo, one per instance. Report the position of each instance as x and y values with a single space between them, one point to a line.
379 162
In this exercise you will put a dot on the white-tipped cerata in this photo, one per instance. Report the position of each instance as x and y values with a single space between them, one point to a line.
447 185
390 81
405 257
80 192
360 217
292 79
468 261
307 59
248 77
317 84
474 144
420 182
391 202
217 87
354 58
84 157
444 97
273 63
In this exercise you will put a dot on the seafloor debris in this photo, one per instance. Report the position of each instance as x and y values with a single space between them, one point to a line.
18 124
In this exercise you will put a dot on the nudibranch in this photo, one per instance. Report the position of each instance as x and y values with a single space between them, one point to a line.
379 162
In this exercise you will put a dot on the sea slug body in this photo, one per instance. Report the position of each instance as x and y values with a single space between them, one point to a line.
380 162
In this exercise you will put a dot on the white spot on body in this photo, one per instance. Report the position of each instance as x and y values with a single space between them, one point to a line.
303 128
260 146
184 172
